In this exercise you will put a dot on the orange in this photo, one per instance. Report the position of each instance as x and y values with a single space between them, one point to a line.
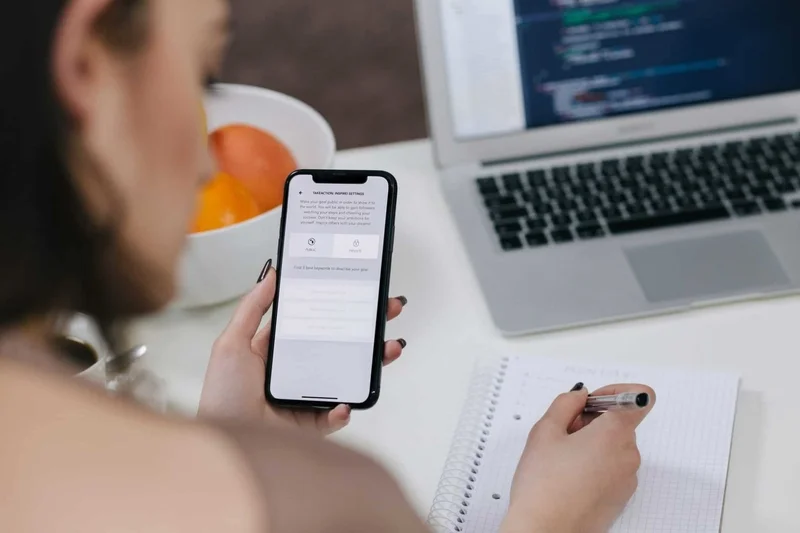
224 201
259 160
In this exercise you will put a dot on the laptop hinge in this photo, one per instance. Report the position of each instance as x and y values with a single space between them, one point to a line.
650 140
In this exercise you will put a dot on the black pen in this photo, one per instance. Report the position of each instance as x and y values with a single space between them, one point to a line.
620 402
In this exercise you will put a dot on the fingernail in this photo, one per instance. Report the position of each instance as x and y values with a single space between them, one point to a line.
578 386
264 271
402 343
403 300
349 410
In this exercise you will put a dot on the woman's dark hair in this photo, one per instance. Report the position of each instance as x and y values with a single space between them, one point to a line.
53 257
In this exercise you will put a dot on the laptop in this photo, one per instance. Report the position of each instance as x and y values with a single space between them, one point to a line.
609 159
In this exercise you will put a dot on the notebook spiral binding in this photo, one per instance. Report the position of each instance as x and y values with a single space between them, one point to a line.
450 510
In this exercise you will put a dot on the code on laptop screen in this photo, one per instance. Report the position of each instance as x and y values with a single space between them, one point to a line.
571 60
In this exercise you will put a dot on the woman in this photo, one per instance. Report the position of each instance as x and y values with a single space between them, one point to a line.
101 155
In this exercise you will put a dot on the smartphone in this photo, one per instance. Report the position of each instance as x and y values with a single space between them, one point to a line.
329 313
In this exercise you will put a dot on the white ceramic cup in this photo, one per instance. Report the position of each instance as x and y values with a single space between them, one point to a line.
82 329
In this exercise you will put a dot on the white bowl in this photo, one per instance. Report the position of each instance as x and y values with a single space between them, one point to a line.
221 265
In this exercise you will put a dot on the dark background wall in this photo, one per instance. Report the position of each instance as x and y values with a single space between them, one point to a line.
355 61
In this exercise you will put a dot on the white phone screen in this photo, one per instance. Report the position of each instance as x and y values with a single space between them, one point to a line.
327 307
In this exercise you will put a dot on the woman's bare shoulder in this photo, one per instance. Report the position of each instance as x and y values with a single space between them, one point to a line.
72 459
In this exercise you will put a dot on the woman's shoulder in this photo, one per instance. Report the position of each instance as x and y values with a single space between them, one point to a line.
96 461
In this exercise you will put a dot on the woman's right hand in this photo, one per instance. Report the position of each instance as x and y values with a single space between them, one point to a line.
577 473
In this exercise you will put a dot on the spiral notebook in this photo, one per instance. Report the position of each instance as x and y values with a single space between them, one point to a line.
685 444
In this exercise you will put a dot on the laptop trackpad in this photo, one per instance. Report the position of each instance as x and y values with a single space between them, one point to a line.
735 263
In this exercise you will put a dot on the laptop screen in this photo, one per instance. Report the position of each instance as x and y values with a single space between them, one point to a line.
514 65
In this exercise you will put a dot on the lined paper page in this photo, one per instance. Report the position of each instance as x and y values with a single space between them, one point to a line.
685 444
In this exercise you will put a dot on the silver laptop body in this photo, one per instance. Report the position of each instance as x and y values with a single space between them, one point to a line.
602 164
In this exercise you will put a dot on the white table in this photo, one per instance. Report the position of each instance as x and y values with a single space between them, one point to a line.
447 327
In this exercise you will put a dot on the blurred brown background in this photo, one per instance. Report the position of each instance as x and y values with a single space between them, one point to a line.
355 61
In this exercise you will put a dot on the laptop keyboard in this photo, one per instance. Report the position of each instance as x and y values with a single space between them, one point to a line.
664 189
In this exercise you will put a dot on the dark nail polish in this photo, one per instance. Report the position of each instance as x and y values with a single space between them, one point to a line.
578 386
403 300
402 343
264 271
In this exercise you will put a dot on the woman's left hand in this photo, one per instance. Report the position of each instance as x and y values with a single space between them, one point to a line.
234 383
